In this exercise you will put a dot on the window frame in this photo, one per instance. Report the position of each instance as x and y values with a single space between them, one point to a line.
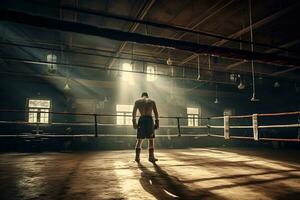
195 117
124 115
38 116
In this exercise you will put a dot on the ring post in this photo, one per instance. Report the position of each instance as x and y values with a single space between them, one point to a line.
255 127
96 125
208 126
226 127
178 127
298 121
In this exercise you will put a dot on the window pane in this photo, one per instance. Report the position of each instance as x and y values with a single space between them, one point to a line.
36 106
127 76
190 120
196 121
39 103
32 115
193 120
192 111
124 108
120 119
44 117
128 120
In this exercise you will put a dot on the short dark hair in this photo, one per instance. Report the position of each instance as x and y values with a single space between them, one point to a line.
145 94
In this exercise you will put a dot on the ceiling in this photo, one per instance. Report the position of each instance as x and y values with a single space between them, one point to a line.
274 23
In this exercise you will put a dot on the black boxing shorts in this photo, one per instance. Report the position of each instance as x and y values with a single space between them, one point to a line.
145 128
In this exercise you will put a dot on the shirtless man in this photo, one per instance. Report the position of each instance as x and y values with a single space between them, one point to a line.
145 126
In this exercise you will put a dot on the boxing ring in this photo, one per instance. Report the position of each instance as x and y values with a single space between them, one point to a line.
186 173
256 127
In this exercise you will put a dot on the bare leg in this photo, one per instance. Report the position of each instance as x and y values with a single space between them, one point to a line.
151 144
138 147
139 143
151 150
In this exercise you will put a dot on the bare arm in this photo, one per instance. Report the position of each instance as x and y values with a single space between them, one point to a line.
155 110
134 116
134 111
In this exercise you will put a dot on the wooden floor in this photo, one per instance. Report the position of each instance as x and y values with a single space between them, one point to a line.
204 173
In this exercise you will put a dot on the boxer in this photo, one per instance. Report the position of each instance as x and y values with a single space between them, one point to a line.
145 126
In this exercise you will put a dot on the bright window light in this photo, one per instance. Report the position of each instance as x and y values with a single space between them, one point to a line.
38 111
151 73
124 113
127 74
193 114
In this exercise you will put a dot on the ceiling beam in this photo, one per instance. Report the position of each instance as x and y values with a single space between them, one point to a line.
245 30
61 80
54 24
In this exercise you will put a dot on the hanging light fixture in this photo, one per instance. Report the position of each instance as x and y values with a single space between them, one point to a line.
169 60
67 87
216 96
252 62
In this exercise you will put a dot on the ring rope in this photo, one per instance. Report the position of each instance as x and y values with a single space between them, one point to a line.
226 126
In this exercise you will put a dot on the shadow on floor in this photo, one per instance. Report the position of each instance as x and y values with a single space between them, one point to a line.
164 186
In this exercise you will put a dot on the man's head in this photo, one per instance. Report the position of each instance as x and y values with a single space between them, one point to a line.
145 94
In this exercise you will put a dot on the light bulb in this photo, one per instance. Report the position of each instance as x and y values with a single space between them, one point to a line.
254 99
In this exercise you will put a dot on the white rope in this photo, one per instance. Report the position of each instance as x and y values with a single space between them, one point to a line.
280 126
216 126
99 135
240 127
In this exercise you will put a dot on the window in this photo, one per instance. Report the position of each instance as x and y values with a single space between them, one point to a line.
193 114
52 58
124 113
228 112
151 73
38 111
127 74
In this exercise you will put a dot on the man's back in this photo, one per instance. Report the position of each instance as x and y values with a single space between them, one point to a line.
145 106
